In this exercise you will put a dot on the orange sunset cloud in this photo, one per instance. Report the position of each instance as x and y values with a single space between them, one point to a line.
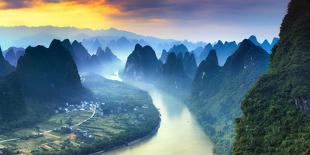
67 13
161 18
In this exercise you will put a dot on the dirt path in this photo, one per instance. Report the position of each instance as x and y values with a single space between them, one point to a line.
79 124
48 133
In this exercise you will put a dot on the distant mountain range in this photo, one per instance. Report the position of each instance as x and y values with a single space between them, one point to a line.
265 45
223 50
86 62
12 54
101 60
121 42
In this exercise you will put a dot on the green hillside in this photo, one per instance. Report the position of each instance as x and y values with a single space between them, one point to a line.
275 119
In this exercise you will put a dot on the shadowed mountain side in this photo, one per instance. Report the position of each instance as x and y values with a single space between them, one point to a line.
142 64
12 104
49 69
188 59
45 78
217 91
5 66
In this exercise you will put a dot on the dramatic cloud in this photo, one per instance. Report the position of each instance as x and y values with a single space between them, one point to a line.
232 17
8 4
169 8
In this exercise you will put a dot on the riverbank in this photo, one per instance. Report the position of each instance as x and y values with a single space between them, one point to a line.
132 143
124 115
179 133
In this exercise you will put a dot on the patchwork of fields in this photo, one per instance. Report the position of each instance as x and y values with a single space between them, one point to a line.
114 116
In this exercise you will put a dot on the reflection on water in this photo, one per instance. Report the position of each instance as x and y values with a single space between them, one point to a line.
179 133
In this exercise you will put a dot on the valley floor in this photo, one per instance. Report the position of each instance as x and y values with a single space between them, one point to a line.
179 133
117 115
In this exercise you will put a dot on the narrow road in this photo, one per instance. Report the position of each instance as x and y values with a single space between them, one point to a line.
49 131
78 124
9 140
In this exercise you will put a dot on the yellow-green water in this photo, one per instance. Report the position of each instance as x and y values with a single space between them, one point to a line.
179 133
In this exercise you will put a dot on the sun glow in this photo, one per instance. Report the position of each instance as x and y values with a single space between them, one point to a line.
60 14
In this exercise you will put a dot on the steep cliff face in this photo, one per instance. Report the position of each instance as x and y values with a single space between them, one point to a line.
189 64
180 49
142 64
106 56
163 56
206 76
188 59
217 91
103 59
275 112
48 71
5 66
79 53
174 75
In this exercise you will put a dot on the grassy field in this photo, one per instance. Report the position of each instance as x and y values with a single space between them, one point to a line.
120 113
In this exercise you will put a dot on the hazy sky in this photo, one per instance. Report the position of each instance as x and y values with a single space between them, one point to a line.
205 20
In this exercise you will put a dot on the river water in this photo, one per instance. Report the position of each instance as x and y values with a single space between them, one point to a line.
179 132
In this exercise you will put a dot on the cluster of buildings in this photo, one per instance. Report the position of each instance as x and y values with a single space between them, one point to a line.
84 105
78 132
101 110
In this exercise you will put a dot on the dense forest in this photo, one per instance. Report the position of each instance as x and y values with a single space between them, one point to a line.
275 112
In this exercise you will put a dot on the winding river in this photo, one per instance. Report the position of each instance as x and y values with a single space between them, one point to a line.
179 133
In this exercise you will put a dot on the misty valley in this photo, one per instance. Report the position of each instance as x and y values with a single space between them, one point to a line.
76 91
